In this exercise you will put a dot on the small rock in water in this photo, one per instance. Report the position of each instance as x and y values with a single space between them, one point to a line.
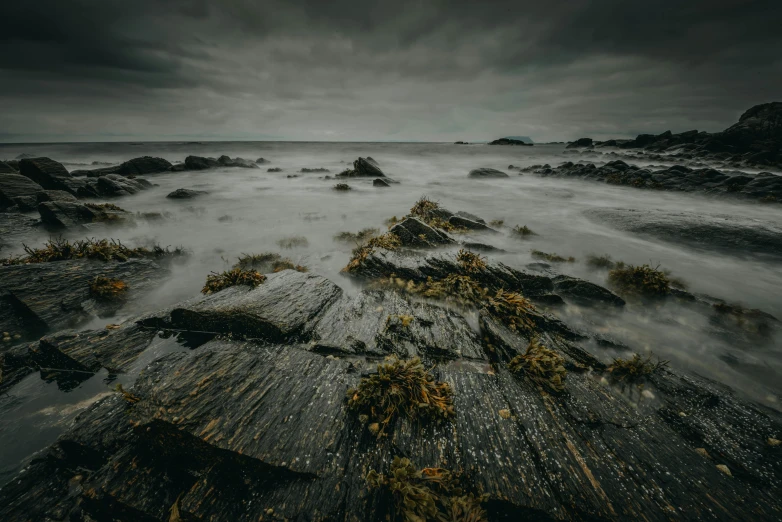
505 414
723 468
702 452
773 442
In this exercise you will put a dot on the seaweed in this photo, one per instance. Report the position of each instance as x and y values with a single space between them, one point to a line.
103 249
108 289
643 281
129 397
388 241
428 494
359 237
552 258
513 309
603 261
293 242
543 366
400 387
287 264
234 277
635 369
471 262
497 223
424 208
261 262
342 187
104 206
522 232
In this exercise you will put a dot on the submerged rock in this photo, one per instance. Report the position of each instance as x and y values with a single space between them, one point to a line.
379 182
364 168
510 141
487 173
186 193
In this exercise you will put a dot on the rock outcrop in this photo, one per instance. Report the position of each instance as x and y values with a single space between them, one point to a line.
485 172
510 141
363 168
51 175
13 186
184 193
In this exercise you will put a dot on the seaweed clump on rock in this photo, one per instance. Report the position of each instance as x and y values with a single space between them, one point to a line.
429 212
514 310
470 261
522 232
102 250
635 369
388 241
552 257
642 280
108 288
234 277
428 494
400 387
287 264
543 366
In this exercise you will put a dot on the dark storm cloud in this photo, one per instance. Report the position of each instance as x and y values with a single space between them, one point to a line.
350 69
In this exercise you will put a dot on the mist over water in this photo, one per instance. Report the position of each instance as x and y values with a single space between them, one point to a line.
249 210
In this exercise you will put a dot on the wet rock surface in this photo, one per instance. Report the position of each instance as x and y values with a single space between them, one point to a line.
186 194
486 172
363 168
722 233
261 413
13 186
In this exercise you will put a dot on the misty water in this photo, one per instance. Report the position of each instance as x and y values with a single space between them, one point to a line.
250 210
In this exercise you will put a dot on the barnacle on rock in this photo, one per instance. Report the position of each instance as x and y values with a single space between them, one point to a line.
234 277
401 387
545 367
108 288
641 280
429 494
635 369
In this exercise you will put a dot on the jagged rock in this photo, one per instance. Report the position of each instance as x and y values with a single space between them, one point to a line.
365 168
378 182
186 194
469 216
580 143
413 232
114 185
584 292
226 161
54 296
487 173
15 185
469 224
765 187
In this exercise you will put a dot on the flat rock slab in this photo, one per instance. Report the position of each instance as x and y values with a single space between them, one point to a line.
55 296
14 228
413 232
276 310
384 323
722 233
585 292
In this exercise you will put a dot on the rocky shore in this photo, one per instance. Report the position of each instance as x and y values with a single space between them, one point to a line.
279 406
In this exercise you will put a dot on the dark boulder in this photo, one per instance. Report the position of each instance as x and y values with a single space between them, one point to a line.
487 173
226 161
143 165
51 175
262 161
200 163
379 182
186 194
15 185
580 143
68 214
113 185
364 168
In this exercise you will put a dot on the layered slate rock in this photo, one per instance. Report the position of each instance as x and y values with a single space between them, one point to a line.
471 224
53 296
486 172
13 227
413 232
14 186
115 185
71 214
5 168
277 310
71 357
764 187
51 175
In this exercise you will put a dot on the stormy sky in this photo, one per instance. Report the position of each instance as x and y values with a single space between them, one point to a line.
350 70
